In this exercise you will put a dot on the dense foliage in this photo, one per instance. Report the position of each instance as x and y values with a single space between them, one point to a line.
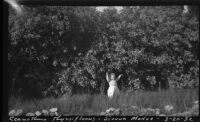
56 50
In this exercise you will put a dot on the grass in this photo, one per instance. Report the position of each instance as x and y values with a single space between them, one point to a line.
180 99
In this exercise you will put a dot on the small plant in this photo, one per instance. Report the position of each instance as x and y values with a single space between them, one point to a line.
145 103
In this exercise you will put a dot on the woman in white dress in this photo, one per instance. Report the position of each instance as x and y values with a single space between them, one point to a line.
113 89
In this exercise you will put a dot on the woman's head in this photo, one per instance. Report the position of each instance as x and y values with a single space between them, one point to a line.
112 76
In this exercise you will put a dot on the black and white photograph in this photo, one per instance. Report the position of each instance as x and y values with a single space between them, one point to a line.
103 60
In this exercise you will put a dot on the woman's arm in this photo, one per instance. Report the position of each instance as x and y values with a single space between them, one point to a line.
107 78
119 77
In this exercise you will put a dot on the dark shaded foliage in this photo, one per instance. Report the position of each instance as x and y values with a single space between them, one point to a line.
56 50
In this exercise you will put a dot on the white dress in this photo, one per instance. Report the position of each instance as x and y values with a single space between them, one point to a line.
113 89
